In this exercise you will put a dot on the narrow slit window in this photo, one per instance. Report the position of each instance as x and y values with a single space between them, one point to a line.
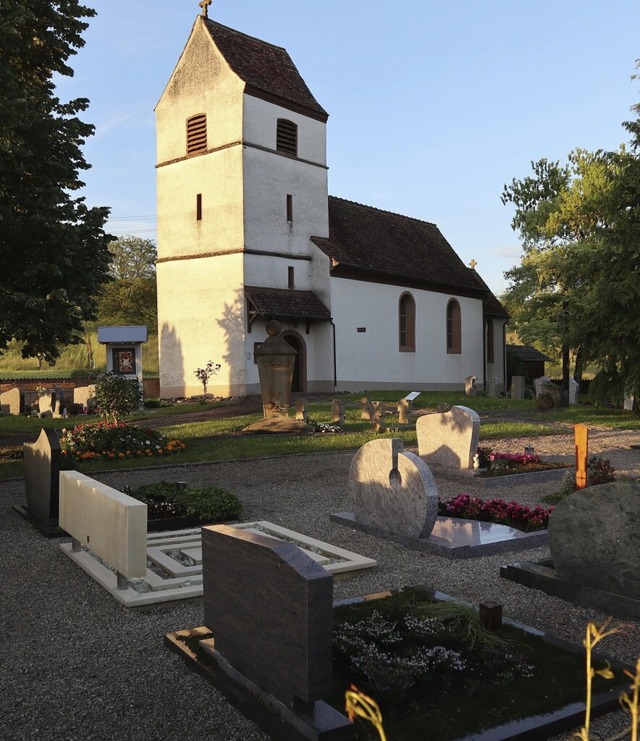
289 207
407 323
199 207
197 134
290 277
287 137
454 327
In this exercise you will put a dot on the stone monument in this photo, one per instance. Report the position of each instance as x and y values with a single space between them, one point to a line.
449 439
470 386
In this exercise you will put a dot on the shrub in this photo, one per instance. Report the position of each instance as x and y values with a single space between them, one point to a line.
599 471
208 504
116 396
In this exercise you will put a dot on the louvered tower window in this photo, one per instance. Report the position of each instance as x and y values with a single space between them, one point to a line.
197 133
287 137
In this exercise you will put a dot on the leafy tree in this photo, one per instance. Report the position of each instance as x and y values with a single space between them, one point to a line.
133 258
53 248
580 230
131 301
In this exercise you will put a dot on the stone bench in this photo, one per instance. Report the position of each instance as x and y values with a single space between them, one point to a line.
106 522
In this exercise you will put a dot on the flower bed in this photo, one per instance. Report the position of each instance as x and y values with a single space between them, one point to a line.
519 516
107 442
432 665
495 463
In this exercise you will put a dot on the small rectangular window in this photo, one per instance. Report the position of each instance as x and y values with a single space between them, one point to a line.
199 207
290 277
289 207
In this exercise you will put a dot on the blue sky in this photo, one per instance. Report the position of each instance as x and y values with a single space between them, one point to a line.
433 105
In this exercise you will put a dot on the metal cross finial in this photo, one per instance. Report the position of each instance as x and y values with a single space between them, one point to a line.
204 4
473 264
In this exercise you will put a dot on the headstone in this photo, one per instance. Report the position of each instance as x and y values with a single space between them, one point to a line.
301 410
628 402
85 396
574 390
517 387
404 410
581 433
470 386
393 490
12 401
51 403
449 439
379 412
337 413
42 461
270 608
541 385
493 387
593 538
365 409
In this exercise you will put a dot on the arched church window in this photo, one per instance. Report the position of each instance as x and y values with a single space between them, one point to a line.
407 323
454 327
197 133
287 137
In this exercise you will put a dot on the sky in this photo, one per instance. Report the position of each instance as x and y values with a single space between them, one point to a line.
434 105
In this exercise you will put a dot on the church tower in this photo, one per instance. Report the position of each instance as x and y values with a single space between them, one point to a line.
241 188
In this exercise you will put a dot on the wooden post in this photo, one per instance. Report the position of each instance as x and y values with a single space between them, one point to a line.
582 454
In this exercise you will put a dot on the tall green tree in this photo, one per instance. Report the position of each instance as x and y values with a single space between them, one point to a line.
580 230
132 257
53 248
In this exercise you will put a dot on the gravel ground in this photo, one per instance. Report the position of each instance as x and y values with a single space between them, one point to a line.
77 665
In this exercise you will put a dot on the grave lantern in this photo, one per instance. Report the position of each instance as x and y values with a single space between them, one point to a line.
276 360
124 350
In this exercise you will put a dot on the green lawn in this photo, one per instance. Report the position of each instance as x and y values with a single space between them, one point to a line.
220 439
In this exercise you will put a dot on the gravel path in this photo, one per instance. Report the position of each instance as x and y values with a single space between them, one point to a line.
77 665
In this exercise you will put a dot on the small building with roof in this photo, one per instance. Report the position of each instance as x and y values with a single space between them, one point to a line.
247 232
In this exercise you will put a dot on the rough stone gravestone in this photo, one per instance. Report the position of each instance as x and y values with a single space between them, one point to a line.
449 439
628 402
404 410
517 387
470 386
301 410
85 395
12 401
270 608
493 387
378 419
542 385
51 403
337 413
42 462
365 409
593 538
393 490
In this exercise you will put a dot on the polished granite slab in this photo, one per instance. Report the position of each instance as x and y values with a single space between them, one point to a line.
453 537
542 575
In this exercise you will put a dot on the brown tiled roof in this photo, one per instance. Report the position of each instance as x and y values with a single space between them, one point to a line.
285 302
371 244
492 306
528 354
265 68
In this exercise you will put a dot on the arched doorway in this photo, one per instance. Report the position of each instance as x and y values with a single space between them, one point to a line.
299 382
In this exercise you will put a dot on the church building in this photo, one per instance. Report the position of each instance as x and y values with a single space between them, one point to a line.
247 232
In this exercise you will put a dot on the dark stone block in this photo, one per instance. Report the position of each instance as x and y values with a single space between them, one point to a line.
42 463
270 609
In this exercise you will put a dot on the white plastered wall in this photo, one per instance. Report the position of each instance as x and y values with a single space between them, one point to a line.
371 359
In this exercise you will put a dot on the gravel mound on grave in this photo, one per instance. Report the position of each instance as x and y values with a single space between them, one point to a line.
594 538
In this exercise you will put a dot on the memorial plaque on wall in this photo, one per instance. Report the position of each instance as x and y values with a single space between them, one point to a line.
124 360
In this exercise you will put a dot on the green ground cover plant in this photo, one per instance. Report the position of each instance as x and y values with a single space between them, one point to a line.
166 499
432 668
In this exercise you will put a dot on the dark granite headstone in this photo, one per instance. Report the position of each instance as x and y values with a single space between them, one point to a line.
593 538
270 608
42 461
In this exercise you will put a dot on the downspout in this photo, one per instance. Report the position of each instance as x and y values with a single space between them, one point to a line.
335 366
504 356
484 352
